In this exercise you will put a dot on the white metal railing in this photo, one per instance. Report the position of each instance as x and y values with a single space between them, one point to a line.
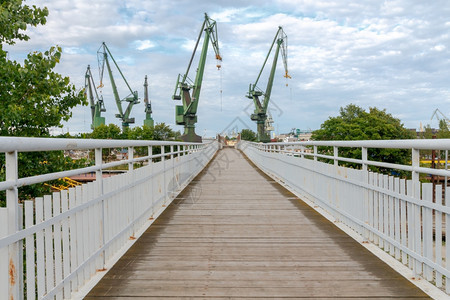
406 217
52 246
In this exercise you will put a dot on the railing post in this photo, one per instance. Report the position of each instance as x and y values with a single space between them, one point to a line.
4 290
336 155
150 165
99 180
415 163
133 190
315 153
12 206
163 160
366 192
172 158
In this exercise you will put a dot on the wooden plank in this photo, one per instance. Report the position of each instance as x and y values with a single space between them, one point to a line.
277 247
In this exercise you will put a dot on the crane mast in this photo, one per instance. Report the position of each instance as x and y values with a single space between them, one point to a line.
96 103
186 114
254 93
103 55
148 106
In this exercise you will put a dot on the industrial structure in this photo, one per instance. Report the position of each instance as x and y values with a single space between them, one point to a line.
440 117
96 103
186 114
103 56
260 112
148 106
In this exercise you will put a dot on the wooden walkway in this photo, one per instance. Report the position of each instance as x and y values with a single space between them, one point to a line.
235 233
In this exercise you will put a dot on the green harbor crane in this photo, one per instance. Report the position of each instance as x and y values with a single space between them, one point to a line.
148 106
260 112
186 114
103 55
96 102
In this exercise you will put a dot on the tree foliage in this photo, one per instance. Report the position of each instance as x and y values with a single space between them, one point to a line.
33 96
354 123
15 18
160 132
248 135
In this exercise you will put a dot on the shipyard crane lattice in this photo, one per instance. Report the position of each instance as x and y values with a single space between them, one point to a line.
186 114
103 56
260 112
96 103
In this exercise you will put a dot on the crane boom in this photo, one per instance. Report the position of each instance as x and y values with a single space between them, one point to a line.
103 55
260 112
443 117
96 102
186 114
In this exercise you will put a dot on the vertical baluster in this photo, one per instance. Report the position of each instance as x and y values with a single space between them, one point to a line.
415 159
73 240
40 256
411 224
57 242
391 214
65 243
371 206
381 209
30 251
376 208
48 233
447 239
403 224
427 195
397 227
438 240
80 235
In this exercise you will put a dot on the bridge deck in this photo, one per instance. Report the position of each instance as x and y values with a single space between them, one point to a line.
235 233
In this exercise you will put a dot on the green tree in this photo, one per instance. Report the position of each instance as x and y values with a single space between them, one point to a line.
354 123
15 18
248 135
163 132
444 132
110 131
33 96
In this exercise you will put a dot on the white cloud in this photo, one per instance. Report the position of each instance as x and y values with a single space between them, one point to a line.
144 44
389 54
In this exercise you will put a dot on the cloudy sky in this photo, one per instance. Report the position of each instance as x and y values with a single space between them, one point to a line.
393 55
